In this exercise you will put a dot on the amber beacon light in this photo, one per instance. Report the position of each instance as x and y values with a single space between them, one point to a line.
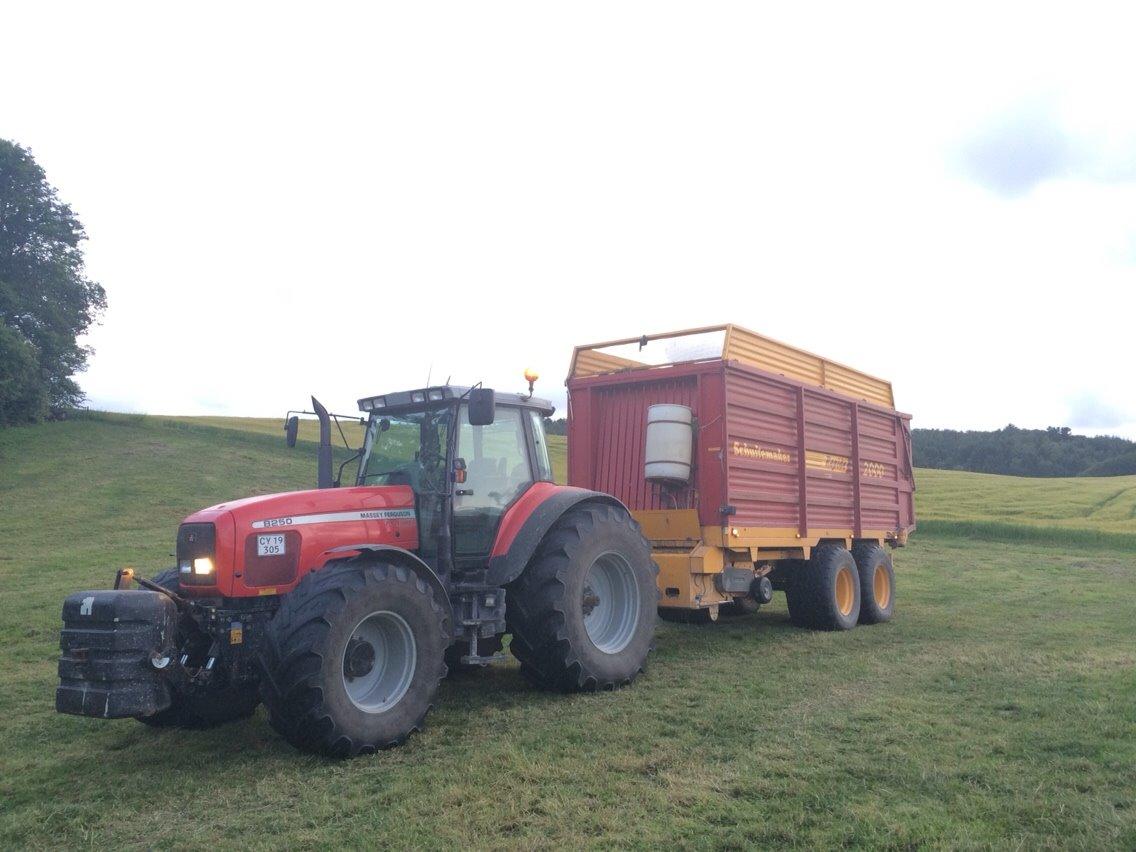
531 376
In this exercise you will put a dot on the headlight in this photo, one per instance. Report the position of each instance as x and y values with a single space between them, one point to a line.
197 555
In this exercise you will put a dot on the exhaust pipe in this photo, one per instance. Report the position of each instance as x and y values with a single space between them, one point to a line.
323 457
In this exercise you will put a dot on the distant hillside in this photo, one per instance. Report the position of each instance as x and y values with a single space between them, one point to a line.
1024 452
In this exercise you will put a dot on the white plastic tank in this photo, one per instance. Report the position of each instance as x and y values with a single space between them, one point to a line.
670 439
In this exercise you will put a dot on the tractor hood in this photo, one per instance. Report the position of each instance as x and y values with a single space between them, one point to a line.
264 545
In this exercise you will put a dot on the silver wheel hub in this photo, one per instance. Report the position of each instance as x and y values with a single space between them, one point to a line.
610 603
379 661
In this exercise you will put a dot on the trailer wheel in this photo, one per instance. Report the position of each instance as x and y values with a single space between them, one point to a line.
582 613
353 658
825 593
877 583
214 706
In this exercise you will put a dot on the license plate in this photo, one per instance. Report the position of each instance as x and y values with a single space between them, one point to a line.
270 545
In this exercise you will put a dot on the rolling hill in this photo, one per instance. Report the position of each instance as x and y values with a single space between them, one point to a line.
998 708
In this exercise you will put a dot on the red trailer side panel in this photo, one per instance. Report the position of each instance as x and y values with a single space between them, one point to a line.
809 459
770 453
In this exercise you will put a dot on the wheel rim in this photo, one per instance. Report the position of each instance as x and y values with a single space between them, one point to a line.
610 602
881 586
378 662
845 591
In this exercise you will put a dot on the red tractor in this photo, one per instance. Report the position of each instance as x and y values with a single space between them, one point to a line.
342 607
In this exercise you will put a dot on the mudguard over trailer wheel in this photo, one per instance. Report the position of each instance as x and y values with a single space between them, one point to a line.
214 706
877 582
353 658
824 592
582 613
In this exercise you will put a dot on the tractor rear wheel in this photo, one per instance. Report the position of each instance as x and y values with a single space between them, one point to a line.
582 613
877 583
354 657
217 704
824 594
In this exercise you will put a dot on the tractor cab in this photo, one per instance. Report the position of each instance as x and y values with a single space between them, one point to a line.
481 448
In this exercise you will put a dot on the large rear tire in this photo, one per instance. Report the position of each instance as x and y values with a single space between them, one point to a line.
220 703
824 594
877 583
354 657
582 613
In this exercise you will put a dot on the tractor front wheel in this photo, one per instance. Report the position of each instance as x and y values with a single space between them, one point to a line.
582 613
353 658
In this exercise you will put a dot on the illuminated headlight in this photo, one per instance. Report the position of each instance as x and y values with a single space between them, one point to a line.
367 404
418 396
436 393
203 566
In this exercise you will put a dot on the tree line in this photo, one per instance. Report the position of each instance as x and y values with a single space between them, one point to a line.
46 299
1024 452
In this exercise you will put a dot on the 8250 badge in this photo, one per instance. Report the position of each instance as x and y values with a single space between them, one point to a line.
270 545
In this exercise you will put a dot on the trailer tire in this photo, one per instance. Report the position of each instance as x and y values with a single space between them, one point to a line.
583 612
353 657
877 582
206 709
825 594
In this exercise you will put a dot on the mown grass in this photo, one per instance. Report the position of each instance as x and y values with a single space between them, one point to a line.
998 708
1104 504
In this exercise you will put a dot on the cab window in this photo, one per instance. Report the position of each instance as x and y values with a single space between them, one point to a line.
540 445
497 470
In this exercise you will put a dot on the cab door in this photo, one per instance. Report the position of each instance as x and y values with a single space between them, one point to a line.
497 471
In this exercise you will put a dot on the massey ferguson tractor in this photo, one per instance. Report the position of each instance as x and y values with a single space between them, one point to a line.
341 608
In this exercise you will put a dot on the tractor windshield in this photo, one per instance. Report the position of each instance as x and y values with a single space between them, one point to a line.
407 449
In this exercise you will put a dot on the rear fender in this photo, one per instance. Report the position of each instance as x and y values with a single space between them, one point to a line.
527 523
408 560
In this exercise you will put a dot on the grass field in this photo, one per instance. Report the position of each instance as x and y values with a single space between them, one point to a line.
997 710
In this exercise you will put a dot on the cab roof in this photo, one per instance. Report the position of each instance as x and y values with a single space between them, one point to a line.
412 400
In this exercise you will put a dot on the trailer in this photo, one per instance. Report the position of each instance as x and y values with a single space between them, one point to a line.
752 466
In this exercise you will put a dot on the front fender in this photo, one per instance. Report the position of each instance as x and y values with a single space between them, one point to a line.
527 523
410 561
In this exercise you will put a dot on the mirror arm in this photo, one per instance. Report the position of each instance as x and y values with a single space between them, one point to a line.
339 473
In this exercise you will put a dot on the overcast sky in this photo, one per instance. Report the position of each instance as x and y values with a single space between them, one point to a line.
341 199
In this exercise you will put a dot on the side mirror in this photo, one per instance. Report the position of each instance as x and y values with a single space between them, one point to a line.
291 427
482 406
384 424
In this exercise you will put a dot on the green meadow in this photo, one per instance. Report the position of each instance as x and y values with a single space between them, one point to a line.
998 709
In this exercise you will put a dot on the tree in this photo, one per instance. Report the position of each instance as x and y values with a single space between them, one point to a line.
22 394
46 299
